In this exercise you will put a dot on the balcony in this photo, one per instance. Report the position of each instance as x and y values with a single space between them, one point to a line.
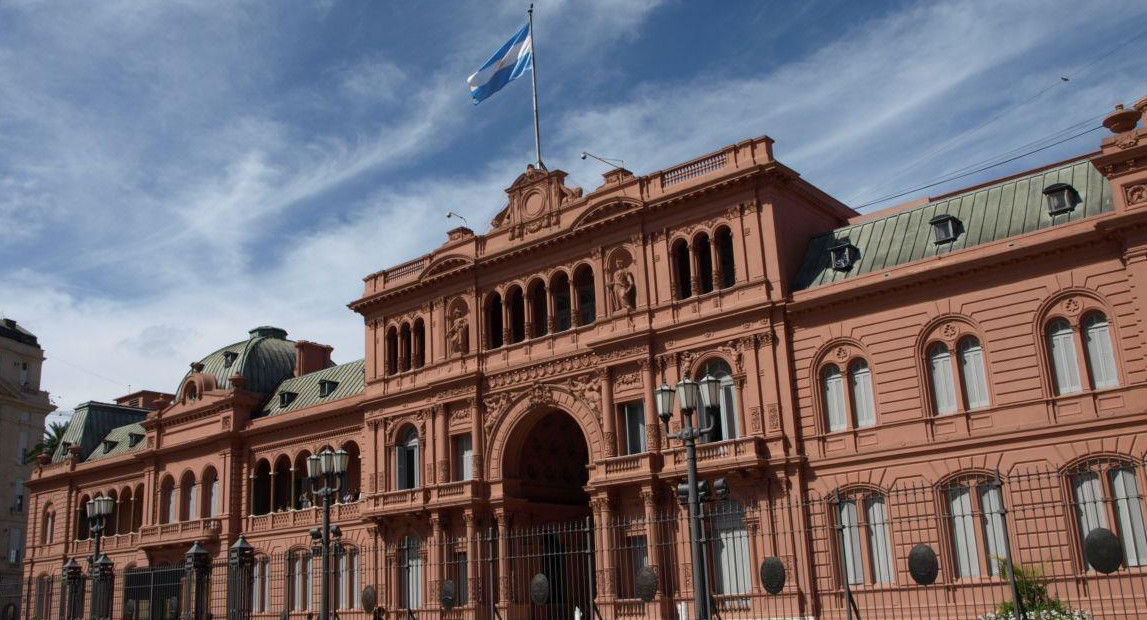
301 518
182 533
458 493
631 467
718 456
118 542
394 502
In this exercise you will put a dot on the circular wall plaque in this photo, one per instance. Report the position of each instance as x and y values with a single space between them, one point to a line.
923 565
773 575
369 598
448 594
645 583
1103 550
539 589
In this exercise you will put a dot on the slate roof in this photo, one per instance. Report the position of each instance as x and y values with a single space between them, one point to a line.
12 330
118 441
264 359
91 422
1006 209
351 379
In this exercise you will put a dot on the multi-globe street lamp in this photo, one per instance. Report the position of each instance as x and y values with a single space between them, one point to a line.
691 394
326 473
99 509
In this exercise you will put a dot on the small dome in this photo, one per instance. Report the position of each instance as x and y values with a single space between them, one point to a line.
264 359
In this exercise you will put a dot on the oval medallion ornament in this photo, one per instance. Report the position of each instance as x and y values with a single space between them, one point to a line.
923 565
1103 550
773 575
448 594
369 598
539 589
645 583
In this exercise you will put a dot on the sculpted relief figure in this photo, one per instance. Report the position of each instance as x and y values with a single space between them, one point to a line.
624 287
458 333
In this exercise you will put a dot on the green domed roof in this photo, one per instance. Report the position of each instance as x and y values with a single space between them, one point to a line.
264 359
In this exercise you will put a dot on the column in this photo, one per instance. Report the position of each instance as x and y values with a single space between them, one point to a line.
652 422
652 532
270 491
437 559
575 304
477 439
440 440
507 325
694 270
714 260
551 320
605 556
473 566
503 557
608 415
528 305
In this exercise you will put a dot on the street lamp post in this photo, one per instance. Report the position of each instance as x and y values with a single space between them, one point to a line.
688 393
326 472
99 509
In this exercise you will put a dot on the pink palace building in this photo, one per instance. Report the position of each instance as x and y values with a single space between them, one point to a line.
886 380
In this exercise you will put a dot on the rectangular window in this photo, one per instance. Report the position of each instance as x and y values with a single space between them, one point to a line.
880 545
1129 514
992 505
834 400
943 389
963 525
1100 354
15 545
636 558
461 579
862 399
728 408
850 543
1089 509
22 451
975 378
464 457
634 414
1064 360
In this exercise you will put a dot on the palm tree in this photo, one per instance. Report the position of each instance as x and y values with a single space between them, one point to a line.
52 436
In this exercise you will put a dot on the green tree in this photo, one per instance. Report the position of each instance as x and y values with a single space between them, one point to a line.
52 436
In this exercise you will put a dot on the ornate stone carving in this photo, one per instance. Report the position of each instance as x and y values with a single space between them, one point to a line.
1072 306
588 389
1136 194
774 416
755 419
629 378
458 332
622 285
950 331
541 371
842 353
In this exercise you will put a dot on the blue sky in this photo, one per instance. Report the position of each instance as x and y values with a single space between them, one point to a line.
175 173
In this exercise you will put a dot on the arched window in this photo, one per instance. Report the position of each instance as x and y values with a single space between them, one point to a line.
1100 353
494 321
560 290
1107 495
852 405
681 269
723 417
863 520
168 502
391 350
943 388
1061 350
407 462
404 347
48 525
972 374
419 344
210 493
261 488
832 388
731 559
82 532
586 296
539 315
281 484
726 264
44 607
976 523
123 512
188 498
517 306
137 509
863 403
704 252
353 488
300 585
410 573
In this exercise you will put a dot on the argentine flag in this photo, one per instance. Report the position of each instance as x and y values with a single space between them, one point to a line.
506 65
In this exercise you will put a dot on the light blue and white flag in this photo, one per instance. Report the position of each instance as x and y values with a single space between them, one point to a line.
506 65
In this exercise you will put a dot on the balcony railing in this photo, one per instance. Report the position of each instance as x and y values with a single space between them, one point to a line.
302 517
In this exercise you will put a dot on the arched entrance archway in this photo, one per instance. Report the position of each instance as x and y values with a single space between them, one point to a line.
546 468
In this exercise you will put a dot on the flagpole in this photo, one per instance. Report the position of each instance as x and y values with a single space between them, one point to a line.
534 80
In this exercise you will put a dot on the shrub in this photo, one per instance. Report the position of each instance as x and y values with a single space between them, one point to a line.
1031 585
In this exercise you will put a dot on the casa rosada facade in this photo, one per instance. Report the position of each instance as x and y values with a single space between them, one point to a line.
509 378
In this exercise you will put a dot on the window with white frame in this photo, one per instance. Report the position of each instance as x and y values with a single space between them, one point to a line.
1065 364
943 388
408 464
300 588
863 520
852 405
1099 352
347 579
410 573
634 416
975 517
723 417
731 560
863 404
260 585
832 384
1111 493
464 457
973 374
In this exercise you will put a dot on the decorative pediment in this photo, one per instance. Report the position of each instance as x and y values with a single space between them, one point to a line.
605 211
444 264
535 198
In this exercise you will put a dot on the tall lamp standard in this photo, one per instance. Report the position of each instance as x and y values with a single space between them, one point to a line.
99 509
326 472
690 394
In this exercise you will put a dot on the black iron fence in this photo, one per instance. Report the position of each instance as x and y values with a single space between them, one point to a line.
1041 544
